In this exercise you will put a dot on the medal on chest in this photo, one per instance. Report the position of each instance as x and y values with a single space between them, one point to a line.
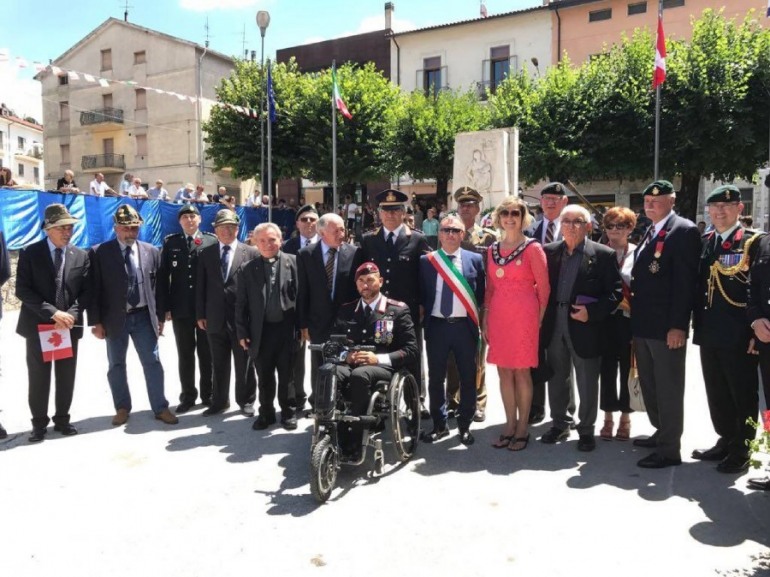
654 267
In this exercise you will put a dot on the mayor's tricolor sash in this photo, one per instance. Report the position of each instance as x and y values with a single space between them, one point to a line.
456 281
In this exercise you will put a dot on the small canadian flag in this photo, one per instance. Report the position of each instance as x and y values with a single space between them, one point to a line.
56 344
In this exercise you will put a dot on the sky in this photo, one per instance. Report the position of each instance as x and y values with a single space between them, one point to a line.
42 30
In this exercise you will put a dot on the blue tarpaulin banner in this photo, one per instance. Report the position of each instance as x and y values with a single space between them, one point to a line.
21 217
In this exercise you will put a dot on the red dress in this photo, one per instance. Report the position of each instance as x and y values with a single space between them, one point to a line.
513 304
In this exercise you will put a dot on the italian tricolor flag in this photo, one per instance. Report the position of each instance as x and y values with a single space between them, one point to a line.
337 97
456 281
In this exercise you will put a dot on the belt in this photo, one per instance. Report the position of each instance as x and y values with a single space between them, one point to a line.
449 319
136 310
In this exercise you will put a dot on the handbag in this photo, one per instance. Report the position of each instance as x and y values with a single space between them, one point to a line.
635 398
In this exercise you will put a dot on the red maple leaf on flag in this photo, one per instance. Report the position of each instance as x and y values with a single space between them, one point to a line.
55 339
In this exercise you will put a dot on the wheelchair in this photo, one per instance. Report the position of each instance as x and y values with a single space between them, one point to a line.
396 402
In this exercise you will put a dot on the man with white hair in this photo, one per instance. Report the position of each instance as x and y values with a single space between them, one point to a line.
585 289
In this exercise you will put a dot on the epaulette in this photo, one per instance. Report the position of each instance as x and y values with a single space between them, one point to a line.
207 233
396 303
172 235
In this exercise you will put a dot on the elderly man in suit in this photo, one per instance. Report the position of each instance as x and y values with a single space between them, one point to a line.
123 306
452 285
331 260
663 285
265 321
219 267
52 285
5 274
585 288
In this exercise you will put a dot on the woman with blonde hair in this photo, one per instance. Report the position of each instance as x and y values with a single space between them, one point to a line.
515 301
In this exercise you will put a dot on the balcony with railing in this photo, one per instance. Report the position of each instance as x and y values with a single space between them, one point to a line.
102 118
105 163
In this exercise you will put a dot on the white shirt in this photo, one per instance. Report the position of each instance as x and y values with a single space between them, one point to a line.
458 310
556 228
230 255
306 241
98 188
352 209
137 192
138 269
396 232
156 193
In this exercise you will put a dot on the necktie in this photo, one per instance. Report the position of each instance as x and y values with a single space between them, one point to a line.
224 261
367 313
447 297
647 236
58 263
330 269
549 232
133 286
305 241
189 242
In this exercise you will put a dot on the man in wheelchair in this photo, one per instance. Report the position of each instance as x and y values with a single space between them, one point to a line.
379 322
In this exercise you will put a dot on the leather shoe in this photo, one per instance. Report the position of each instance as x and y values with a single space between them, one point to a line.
479 416
37 436
424 413
466 438
554 435
183 407
648 443
120 418
733 465
262 422
65 429
435 435
167 417
212 410
289 423
759 483
586 443
452 413
3 432
715 453
536 415
655 461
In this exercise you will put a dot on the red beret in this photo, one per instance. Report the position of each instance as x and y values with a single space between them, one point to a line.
367 268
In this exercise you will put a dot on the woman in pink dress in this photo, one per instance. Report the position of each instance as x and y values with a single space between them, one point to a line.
516 297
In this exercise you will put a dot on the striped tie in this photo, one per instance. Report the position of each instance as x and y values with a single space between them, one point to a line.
330 269
549 232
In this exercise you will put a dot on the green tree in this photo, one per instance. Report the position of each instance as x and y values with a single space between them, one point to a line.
421 142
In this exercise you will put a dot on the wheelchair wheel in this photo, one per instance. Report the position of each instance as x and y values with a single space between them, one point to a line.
323 469
404 415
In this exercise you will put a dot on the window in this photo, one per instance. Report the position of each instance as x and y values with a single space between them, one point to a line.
638 8
64 111
499 66
64 152
140 57
21 143
108 145
107 59
432 75
747 198
672 4
20 170
106 100
64 79
599 15
36 173
2 139
141 145
141 99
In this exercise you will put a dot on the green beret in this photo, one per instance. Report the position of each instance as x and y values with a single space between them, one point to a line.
659 188
555 188
726 193
187 209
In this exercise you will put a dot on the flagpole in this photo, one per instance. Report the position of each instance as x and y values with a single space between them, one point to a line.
269 148
334 145
657 107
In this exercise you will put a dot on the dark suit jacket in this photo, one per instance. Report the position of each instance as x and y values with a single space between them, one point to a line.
215 298
294 244
36 287
400 268
473 271
536 231
663 300
315 309
5 268
110 285
251 295
597 277
178 273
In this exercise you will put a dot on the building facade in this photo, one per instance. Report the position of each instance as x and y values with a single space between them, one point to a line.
21 148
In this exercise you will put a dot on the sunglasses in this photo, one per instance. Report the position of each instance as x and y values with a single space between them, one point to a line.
307 219
615 226
448 230
506 213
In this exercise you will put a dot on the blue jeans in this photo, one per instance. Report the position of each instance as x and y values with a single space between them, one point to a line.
139 328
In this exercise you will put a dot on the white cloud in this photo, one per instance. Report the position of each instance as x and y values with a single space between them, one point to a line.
205 5
368 24
21 93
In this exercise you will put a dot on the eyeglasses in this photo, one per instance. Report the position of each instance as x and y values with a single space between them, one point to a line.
507 213
573 223
618 226
307 219
448 230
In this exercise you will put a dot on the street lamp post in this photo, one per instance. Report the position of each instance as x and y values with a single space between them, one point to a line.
263 21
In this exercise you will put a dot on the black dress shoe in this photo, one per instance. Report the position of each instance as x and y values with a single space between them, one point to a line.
479 416
424 413
536 415
3 433
183 407
435 435
289 423
466 438
451 413
715 453
655 461
586 443
213 410
37 436
554 435
733 464
648 443
262 422
759 483
65 429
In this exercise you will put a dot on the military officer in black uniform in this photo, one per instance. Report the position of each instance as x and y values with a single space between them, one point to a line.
177 278
723 332
378 321
396 249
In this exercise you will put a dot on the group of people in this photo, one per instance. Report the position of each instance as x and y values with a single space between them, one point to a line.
540 300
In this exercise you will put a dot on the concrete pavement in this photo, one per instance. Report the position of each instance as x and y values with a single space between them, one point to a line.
211 497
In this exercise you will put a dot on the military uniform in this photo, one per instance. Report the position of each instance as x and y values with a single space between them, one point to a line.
722 330
177 279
